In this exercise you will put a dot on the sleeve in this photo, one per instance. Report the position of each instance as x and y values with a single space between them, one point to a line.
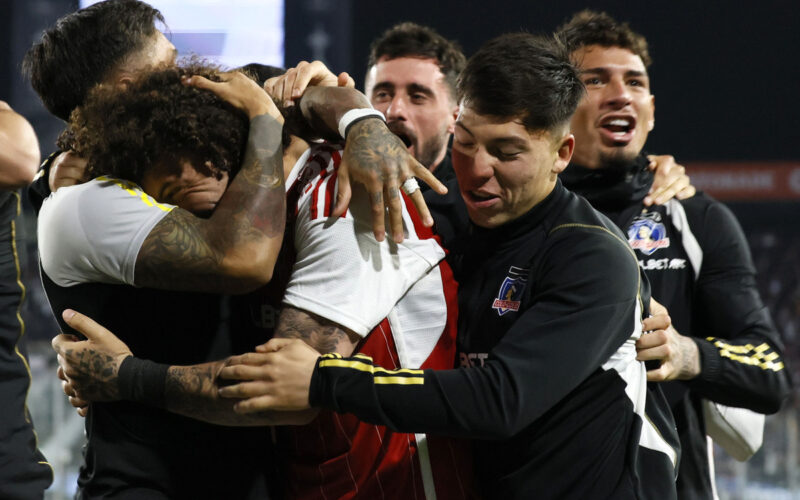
39 189
740 349
575 324
343 273
93 232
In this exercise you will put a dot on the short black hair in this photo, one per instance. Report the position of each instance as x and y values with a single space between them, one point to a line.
412 40
83 47
522 76
123 133
598 28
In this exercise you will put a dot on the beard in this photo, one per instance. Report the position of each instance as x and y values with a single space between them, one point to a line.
426 152
618 160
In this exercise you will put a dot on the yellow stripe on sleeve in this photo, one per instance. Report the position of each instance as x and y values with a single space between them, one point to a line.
741 354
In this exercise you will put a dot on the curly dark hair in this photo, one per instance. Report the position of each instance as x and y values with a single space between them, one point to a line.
524 76
84 47
412 40
122 133
598 28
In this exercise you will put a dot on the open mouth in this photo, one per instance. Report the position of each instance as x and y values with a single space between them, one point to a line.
406 139
479 198
618 128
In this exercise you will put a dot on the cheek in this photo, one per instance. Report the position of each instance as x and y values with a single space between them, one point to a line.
462 164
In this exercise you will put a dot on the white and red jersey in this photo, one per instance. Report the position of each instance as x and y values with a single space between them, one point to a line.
401 298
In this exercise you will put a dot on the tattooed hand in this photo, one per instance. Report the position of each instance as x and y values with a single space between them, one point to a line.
377 158
89 368
679 355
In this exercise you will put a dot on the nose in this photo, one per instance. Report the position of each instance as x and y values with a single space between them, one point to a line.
397 108
472 169
617 93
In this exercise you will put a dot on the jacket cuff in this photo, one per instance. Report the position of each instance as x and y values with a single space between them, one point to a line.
710 361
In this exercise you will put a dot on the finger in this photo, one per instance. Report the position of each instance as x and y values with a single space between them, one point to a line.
288 84
305 73
651 340
83 411
656 322
378 212
256 404
269 85
60 373
66 386
392 194
244 390
343 190
61 341
686 193
657 375
199 82
657 307
275 345
245 372
427 177
659 353
250 358
422 208
345 80
84 324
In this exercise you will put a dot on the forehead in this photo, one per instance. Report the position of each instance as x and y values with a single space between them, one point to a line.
595 57
402 71
490 128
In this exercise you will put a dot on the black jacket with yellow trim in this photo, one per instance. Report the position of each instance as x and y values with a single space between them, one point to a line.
698 262
549 307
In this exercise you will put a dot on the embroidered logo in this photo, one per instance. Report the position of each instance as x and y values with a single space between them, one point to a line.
647 233
508 298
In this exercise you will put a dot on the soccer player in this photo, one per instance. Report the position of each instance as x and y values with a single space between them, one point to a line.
24 472
379 289
550 308
693 251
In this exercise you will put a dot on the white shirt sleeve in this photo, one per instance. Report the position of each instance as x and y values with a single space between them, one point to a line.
92 232
342 272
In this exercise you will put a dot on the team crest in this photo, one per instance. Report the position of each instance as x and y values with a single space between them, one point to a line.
508 298
647 233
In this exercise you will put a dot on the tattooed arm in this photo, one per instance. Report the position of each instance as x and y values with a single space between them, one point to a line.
373 155
90 371
234 250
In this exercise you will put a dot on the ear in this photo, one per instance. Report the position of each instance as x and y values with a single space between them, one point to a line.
451 128
652 122
566 146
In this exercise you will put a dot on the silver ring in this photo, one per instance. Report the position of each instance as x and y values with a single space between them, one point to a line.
410 186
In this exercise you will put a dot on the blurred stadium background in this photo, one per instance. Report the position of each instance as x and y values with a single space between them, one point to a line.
726 110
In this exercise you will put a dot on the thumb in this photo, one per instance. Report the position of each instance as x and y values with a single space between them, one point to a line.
344 80
84 324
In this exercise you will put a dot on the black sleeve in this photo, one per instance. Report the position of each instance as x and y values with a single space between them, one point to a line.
585 306
39 189
740 348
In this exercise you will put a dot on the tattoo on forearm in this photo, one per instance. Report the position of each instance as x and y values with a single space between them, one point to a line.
192 391
318 332
186 252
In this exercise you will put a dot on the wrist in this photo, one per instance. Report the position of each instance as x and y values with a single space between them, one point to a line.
356 115
142 381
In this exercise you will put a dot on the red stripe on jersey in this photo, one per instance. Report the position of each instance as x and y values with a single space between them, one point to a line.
315 195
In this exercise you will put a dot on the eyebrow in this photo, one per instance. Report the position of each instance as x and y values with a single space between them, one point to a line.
604 71
498 141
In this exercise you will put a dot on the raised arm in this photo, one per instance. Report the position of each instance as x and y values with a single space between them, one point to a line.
233 251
